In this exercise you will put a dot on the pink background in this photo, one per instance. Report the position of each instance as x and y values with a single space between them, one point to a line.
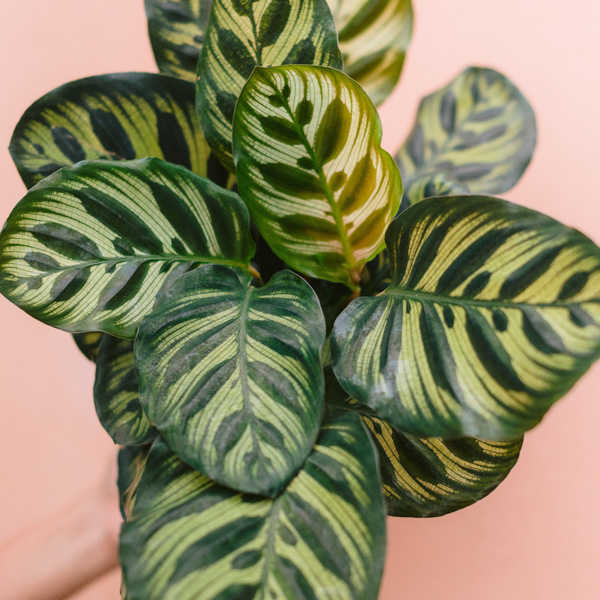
539 534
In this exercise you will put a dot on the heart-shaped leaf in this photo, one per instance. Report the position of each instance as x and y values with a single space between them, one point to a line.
373 38
322 537
177 29
492 314
91 246
478 131
244 34
116 117
117 394
231 375
311 169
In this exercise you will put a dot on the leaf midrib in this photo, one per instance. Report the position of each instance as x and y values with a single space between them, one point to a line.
459 301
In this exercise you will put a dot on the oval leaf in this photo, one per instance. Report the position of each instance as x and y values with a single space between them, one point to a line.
319 186
322 537
231 376
116 117
478 131
492 314
243 34
91 246
373 38
176 29
117 394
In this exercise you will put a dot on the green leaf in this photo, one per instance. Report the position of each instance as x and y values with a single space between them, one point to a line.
231 375
243 34
373 38
431 477
320 188
322 537
89 344
117 394
491 315
91 246
115 117
177 29
131 463
478 131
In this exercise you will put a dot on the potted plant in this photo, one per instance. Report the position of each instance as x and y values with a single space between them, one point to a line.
294 333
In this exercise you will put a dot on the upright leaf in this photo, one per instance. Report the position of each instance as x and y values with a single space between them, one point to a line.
310 166
322 537
91 246
117 394
491 315
177 29
478 131
243 34
115 117
231 376
373 38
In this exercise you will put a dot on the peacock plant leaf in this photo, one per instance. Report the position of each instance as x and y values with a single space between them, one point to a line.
374 36
91 246
321 537
478 131
115 117
491 315
117 394
244 34
89 343
310 167
177 29
231 376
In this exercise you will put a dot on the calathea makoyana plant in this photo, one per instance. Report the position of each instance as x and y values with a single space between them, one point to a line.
295 334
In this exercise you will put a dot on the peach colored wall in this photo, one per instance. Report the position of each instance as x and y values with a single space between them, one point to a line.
538 536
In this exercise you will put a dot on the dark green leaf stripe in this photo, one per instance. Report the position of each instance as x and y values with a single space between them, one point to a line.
117 394
322 538
478 131
231 376
491 315
431 477
91 246
116 117
310 166
177 29
89 344
243 34
373 38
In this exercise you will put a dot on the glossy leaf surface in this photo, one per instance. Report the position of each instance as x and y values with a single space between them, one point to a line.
230 375
243 34
310 167
91 246
478 131
373 38
117 394
115 117
323 537
492 314
177 29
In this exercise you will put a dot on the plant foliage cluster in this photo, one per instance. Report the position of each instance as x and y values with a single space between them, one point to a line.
295 333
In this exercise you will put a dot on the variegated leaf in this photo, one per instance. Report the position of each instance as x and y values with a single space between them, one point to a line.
491 315
322 537
230 374
373 38
116 117
89 344
478 131
310 167
117 394
243 34
177 29
91 246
